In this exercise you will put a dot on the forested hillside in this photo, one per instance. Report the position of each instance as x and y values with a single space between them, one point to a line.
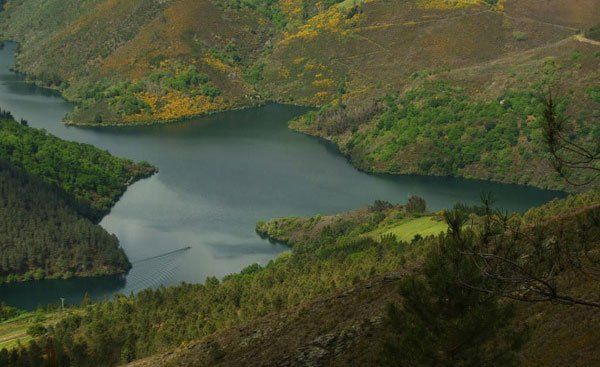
326 302
93 176
477 67
51 193
43 235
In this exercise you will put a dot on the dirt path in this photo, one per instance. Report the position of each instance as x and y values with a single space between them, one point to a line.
581 38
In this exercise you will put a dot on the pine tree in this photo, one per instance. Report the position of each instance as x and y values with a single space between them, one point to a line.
443 319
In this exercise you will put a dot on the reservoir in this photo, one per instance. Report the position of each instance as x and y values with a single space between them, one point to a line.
219 175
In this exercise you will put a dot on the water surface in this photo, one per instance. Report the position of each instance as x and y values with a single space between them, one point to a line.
218 176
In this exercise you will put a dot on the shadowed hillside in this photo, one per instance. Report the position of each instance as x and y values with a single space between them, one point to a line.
91 175
326 302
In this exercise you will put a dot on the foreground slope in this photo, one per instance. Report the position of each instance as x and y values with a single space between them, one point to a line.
346 326
324 303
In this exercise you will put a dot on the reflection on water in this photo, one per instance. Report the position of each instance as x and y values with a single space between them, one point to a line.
218 176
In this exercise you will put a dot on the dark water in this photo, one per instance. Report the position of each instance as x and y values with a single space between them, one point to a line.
218 176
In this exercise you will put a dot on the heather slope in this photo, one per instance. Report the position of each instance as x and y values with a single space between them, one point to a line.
377 45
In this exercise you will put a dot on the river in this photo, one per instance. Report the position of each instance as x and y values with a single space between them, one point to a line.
218 176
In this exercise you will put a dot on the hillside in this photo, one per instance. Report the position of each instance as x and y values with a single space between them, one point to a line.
43 235
138 61
93 176
454 96
128 61
478 66
325 302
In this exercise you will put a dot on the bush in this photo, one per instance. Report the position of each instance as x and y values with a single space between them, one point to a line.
36 330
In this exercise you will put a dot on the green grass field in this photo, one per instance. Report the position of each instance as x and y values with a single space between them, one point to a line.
407 229
14 331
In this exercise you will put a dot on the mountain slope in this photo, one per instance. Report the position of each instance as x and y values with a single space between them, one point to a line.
146 60
132 61
295 51
482 121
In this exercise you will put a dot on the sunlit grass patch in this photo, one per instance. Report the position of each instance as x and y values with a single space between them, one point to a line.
447 4
407 229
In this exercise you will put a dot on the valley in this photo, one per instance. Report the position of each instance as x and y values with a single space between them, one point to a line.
196 199
345 57
299 183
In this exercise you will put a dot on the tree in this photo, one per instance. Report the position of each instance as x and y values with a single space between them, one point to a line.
577 163
36 330
441 321
525 261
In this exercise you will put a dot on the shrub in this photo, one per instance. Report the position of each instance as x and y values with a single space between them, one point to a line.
416 204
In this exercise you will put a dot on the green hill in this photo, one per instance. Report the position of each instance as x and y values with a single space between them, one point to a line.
93 176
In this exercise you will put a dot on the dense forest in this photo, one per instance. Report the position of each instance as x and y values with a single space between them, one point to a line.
43 235
92 176
331 254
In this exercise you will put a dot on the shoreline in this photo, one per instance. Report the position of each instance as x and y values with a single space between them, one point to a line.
335 146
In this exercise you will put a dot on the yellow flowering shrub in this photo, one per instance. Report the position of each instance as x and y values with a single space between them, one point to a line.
175 105
284 72
216 64
291 8
332 20
323 83
321 98
446 4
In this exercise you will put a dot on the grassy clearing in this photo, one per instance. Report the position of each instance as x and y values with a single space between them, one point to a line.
407 229
13 332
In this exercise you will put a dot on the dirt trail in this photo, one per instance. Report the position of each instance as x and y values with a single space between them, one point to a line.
582 38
